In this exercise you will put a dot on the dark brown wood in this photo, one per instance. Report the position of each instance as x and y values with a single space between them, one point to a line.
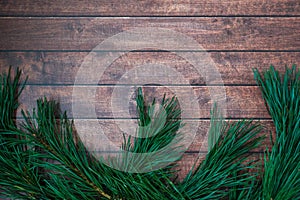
212 33
148 8
49 40
113 129
242 101
47 68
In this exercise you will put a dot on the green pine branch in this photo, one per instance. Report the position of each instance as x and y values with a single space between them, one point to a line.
60 167
281 177
45 159
10 90
226 167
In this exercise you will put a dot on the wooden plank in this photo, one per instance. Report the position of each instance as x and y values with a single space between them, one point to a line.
114 130
226 33
47 68
241 102
148 8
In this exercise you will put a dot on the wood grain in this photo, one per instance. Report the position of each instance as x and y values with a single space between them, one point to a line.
49 40
221 33
241 101
60 68
114 130
148 8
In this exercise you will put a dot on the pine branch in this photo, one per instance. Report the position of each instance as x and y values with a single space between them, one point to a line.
10 90
225 168
281 178
15 160
157 136
71 170
46 159
57 142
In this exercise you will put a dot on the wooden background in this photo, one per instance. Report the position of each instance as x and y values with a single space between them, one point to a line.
49 40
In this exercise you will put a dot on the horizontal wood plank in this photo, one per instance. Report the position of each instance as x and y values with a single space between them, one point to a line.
241 102
197 141
225 33
114 130
59 68
148 8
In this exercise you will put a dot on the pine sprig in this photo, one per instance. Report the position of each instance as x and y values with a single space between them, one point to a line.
157 126
157 137
19 177
225 167
75 170
10 90
281 178
53 164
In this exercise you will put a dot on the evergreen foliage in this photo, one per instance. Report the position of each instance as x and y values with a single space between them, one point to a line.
281 177
45 159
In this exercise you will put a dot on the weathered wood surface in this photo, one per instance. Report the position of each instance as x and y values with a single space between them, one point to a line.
213 33
60 68
114 130
49 40
241 101
148 8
